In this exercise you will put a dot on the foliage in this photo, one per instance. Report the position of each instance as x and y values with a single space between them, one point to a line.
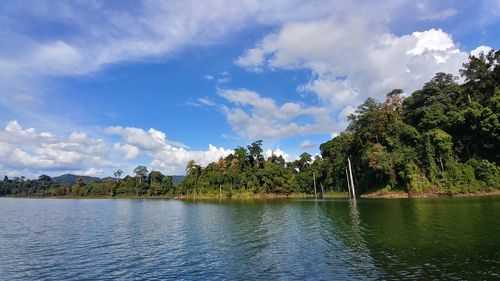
443 138
153 184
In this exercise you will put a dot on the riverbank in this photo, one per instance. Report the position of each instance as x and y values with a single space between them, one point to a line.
379 194
383 193
250 195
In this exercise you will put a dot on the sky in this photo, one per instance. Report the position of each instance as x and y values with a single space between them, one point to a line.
89 87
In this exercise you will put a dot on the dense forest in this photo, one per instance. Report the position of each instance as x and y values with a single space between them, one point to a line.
443 138
143 184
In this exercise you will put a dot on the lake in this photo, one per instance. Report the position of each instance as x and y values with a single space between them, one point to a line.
445 238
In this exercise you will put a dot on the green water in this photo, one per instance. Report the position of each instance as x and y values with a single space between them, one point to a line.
424 239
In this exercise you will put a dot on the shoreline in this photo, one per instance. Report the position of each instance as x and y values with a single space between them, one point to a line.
264 196
273 196
433 194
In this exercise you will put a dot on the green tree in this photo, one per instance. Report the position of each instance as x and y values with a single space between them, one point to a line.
141 172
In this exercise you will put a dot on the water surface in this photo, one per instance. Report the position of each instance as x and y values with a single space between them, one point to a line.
450 239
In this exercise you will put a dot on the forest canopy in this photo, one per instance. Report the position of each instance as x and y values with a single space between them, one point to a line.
443 138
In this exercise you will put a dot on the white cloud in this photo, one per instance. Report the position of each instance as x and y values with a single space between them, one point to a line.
278 152
167 156
130 151
93 172
350 58
307 144
144 140
432 40
353 59
348 47
174 160
29 152
57 58
206 101
480 50
224 78
254 116
98 34
252 59
439 15
208 77
95 35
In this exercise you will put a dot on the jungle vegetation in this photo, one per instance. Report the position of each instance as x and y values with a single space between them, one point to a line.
443 138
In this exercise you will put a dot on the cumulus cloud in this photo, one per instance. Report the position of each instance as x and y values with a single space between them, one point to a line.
307 144
129 151
167 156
174 159
254 116
351 60
350 57
145 140
29 152
348 47
480 50
95 35
278 152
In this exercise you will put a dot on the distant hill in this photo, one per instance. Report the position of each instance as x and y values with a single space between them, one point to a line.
70 179
177 179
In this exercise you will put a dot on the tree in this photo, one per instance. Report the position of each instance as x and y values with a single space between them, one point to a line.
255 150
141 172
45 179
304 160
118 173
222 168
155 177
444 136
192 167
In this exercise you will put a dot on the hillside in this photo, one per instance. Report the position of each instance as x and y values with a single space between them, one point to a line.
70 179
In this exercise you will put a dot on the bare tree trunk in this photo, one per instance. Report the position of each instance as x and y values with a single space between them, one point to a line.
352 180
441 162
314 180
348 183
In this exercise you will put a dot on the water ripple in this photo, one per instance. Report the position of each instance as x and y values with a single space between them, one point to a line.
278 240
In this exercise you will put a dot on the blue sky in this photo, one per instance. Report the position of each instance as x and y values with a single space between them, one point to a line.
89 87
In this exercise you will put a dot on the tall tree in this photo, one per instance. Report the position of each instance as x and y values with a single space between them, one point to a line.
118 173
255 151
141 172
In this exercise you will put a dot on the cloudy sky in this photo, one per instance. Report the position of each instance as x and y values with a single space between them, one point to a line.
88 87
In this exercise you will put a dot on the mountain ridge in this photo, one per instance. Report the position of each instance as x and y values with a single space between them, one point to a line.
71 179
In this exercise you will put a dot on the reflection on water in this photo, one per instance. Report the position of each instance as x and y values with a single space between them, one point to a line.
241 240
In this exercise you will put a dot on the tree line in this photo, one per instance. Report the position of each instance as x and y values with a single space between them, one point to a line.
443 138
143 184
